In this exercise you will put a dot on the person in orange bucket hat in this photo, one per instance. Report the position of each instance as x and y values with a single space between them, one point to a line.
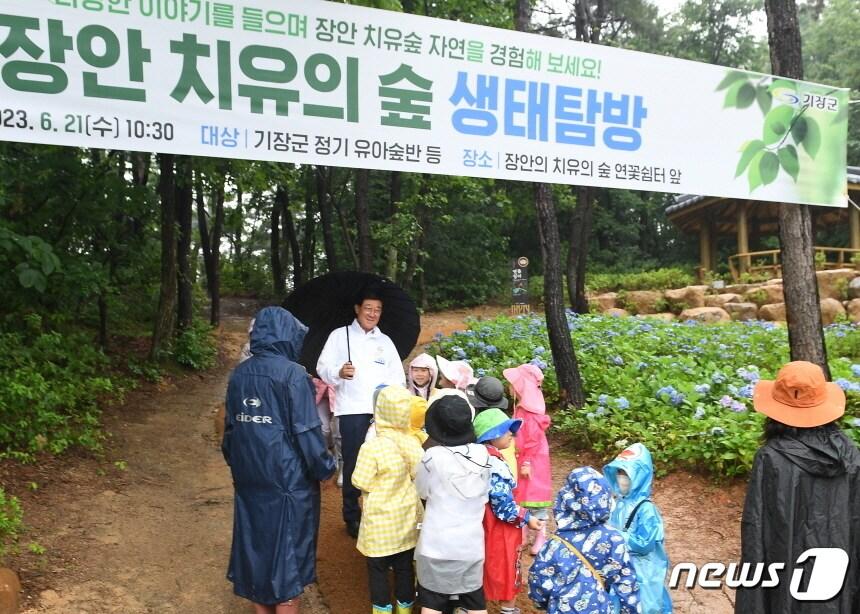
803 493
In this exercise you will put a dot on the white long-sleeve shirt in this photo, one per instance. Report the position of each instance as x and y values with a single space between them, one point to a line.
376 362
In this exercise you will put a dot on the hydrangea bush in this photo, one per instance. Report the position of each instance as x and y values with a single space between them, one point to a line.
682 388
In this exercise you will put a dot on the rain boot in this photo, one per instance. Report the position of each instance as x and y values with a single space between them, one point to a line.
403 608
381 609
540 539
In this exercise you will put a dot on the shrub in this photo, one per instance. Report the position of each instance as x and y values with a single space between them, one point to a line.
683 389
659 279
196 347
11 518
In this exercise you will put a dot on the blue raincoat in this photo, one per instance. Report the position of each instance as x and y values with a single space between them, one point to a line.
274 445
645 535
559 582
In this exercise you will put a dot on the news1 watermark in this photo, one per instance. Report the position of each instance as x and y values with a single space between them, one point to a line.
817 575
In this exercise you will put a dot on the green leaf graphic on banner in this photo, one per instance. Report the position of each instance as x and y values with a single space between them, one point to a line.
741 95
811 140
798 130
754 176
788 161
769 167
749 149
782 84
776 124
733 77
763 98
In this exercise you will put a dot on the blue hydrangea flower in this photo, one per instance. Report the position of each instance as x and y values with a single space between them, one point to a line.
718 431
738 407
491 349
602 399
843 383
855 422
726 401
622 403
539 350
540 364
703 388
718 378
747 391
700 413
855 369
459 352
617 361
601 411
481 372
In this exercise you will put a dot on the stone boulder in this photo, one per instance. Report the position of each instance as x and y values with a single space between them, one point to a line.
719 300
737 288
835 283
686 298
773 312
830 310
10 589
854 288
764 295
742 311
616 312
603 302
643 301
708 315
853 309
665 317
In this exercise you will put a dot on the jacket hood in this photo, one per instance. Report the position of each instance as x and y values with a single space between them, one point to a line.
427 362
277 331
819 451
583 501
636 462
417 411
458 372
393 410
526 381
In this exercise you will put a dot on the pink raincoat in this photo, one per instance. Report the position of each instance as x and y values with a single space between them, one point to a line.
427 362
532 446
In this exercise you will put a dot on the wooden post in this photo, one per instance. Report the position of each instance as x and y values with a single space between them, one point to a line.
854 225
743 237
705 246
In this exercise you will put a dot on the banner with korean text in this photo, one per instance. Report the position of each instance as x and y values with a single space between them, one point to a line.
313 82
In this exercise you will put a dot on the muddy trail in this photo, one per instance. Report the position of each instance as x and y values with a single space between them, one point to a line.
146 527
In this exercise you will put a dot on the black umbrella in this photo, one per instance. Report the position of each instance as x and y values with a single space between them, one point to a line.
327 302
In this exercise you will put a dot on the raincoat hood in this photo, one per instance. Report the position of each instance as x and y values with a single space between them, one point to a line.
526 380
458 372
417 411
422 361
816 451
277 331
393 410
583 501
635 461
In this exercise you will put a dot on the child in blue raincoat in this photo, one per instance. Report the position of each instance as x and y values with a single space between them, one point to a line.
584 565
630 475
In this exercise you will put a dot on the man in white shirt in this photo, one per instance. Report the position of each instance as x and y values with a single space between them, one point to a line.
355 360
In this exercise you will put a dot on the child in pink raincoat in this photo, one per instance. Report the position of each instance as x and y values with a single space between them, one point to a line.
421 376
534 487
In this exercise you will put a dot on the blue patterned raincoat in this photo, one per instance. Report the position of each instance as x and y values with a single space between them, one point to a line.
559 580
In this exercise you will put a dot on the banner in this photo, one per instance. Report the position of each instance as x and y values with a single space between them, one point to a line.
314 82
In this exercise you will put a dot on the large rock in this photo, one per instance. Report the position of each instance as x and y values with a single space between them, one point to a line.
773 312
719 300
737 288
665 317
853 309
10 588
764 295
854 288
830 310
835 283
705 314
742 311
603 302
686 298
615 312
643 301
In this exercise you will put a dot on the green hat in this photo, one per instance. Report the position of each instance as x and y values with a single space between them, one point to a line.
493 423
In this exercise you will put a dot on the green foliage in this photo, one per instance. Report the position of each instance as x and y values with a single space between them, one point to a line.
196 347
683 389
660 279
11 519
51 385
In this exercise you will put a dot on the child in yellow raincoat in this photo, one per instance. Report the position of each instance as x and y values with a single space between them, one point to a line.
384 472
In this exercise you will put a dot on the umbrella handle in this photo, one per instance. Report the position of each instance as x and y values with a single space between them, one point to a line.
348 353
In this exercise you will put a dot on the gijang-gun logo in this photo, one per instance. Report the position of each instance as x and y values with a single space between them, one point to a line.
825 569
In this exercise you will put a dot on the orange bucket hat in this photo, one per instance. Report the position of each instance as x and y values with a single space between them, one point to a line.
800 396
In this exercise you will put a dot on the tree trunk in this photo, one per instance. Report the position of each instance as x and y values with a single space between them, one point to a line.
164 319
184 206
292 237
237 238
323 180
203 230
560 342
800 285
310 237
215 243
362 218
577 256
275 245
396 195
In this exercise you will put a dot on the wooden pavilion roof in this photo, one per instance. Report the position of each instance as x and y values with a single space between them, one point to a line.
689 211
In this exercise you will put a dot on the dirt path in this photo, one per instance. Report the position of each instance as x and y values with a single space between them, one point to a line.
147 528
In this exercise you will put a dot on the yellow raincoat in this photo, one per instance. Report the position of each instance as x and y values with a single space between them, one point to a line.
418 409
384 473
